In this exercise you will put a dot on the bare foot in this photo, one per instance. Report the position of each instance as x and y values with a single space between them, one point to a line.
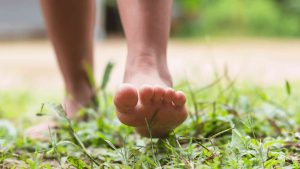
41 130
147 94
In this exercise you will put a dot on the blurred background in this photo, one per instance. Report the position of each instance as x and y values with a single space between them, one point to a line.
193 18
254 40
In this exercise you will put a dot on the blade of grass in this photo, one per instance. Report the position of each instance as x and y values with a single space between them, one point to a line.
106 75
288 88
89 71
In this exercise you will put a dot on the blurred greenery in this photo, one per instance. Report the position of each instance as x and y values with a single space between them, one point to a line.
237 17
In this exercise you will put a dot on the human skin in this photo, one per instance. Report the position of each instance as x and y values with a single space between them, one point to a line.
146 96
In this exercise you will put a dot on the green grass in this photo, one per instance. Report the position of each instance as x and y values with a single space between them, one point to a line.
230 125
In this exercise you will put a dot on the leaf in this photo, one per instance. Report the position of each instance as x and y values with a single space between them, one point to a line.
106 75
40 113
76 162
237 140
288 88
271 163
66 142
111 144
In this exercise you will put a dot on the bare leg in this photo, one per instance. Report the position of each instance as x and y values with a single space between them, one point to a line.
70 25
147 91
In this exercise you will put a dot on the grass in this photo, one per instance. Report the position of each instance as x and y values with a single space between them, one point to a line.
230 125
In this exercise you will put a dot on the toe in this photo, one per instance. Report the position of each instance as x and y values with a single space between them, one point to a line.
179 99
146 93
126 98
159 93
169 95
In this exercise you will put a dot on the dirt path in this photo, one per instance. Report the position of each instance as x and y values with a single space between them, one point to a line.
32 63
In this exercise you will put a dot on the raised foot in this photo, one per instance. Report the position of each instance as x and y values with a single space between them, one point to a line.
40 131
162 108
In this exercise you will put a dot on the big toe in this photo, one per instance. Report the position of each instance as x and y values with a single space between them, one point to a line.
126 98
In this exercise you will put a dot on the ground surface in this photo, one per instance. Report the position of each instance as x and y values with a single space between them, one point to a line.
249 121
230 125
32 64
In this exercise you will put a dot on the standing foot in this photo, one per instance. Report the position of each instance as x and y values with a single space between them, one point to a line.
147 97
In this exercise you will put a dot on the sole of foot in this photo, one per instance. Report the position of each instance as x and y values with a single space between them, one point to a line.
153 110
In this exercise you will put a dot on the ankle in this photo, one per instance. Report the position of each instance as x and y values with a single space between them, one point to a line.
73 104
81 95
148 63
147 58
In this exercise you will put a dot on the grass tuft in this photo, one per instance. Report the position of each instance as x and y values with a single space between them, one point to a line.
231 125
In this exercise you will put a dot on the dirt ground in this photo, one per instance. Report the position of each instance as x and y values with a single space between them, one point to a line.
31 64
